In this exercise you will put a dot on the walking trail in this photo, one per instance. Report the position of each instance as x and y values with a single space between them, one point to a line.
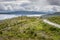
51 23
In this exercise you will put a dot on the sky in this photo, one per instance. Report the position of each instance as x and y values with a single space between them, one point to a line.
30 5
51 2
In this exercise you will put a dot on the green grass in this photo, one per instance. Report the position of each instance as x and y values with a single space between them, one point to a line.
27 28
55 19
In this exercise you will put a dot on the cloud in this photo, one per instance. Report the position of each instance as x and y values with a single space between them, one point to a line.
6 0
45 2
10 0
54 2
39 2
12 5
29 5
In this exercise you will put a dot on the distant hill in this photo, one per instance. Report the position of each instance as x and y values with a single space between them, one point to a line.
24 12
51 15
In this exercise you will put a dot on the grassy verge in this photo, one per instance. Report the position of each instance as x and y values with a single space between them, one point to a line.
55 19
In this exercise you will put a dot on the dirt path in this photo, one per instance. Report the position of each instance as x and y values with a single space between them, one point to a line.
51 23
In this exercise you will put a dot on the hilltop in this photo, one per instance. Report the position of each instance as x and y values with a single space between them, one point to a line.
27 28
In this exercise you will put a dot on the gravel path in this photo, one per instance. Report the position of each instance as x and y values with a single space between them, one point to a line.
51 23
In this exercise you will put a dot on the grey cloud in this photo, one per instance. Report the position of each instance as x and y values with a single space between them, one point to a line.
51 2
54 2
6 0
34 5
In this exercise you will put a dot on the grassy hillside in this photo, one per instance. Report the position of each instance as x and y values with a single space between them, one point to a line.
27 28
55 19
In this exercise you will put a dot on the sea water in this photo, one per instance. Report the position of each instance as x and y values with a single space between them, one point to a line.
9 16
